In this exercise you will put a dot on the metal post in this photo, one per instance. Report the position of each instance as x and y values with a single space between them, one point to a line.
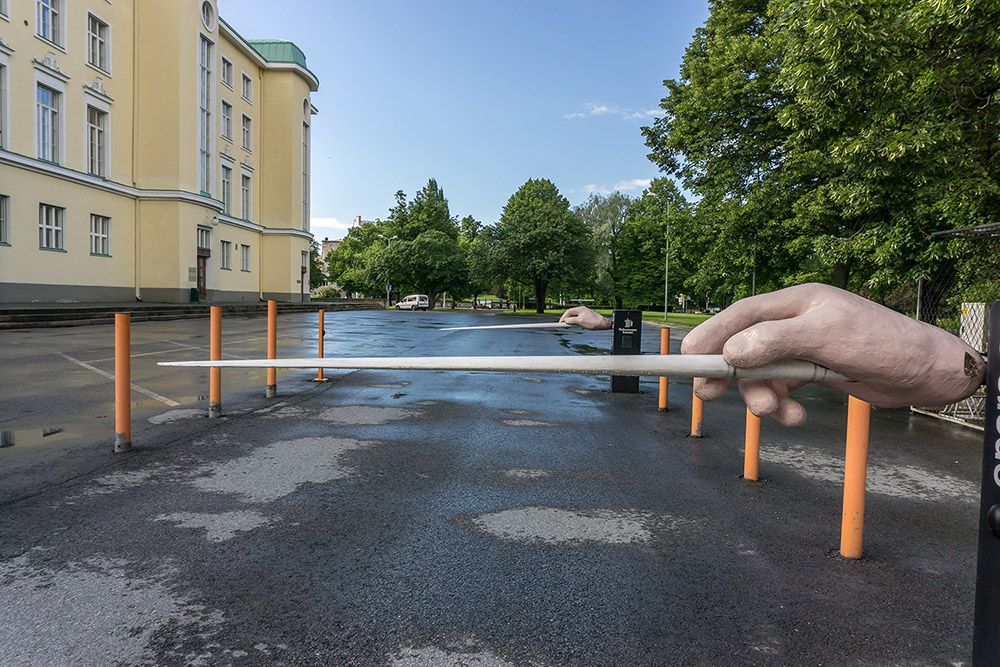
123 383
319 376
751 455
664 349
855 471
215 354
986 623
697 410
272 348
920 295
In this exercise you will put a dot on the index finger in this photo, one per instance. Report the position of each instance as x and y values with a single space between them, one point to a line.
710 336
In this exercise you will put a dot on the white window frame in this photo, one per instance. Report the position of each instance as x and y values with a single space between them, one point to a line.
306 149
245 258
100 235
4 11
206 130
246 196
204 238
226 73
50 22
226 255
226 190
247 88
4 220
246 133
4 112
97 141
101 60
227 121
51 227
48 125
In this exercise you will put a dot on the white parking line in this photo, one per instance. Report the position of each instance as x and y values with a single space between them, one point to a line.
110 376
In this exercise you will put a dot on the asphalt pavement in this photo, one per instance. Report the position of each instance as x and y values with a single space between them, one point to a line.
434 518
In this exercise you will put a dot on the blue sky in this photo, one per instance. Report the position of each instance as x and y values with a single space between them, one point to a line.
479 95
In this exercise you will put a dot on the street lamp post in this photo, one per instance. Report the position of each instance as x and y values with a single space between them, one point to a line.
666 258
388 286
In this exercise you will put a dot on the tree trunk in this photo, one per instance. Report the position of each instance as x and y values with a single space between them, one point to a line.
841 272
431 300
618 302
540 288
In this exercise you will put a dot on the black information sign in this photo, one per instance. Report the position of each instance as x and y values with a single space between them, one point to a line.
627 326
986 633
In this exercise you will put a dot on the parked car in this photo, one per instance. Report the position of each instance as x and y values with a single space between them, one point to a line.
413 302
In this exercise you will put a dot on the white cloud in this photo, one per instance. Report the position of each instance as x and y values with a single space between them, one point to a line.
643 115
594 109
329 228
620 186
634 184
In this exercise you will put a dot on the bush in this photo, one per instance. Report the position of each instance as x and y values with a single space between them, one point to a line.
327 292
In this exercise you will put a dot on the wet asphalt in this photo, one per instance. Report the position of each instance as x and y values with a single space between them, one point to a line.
432 518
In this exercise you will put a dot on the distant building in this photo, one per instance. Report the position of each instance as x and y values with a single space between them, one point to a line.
148 151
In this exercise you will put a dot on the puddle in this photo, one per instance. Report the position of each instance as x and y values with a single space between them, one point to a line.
30 437
583 349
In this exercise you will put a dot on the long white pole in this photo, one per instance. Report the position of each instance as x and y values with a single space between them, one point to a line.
672 365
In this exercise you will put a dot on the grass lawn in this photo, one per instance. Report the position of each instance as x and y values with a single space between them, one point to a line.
686 319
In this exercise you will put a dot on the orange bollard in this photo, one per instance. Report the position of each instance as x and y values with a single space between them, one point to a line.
272 347
664 349
319 376
855 472
123 383
215 354
751 456
697 409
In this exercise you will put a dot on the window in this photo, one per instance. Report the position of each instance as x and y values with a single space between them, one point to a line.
225 255
97 123
4 228
247 88
247 133
48 20
47 107
97 43
208 15
3 105
3 8
205 116
50 227
244 257
227 120
246 191
100 235
227 73
227 190
305 176
204 238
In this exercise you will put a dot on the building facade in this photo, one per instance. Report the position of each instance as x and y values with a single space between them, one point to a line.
149 152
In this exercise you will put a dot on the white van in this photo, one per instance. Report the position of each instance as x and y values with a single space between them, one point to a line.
413 302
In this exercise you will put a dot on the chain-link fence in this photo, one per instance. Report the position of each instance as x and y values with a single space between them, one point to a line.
957 296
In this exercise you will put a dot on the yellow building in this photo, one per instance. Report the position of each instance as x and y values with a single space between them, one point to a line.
149 152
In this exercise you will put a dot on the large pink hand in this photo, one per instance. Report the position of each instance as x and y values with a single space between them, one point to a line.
896 361
582 316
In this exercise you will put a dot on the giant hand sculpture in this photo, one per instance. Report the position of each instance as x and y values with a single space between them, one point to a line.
896 360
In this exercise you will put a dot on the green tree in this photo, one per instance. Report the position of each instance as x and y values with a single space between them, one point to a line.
605 215
316 275
662 210
352 263
541 241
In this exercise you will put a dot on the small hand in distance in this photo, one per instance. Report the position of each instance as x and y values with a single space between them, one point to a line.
896 360
584 317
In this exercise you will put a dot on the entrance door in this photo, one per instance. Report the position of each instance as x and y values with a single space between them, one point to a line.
203 255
